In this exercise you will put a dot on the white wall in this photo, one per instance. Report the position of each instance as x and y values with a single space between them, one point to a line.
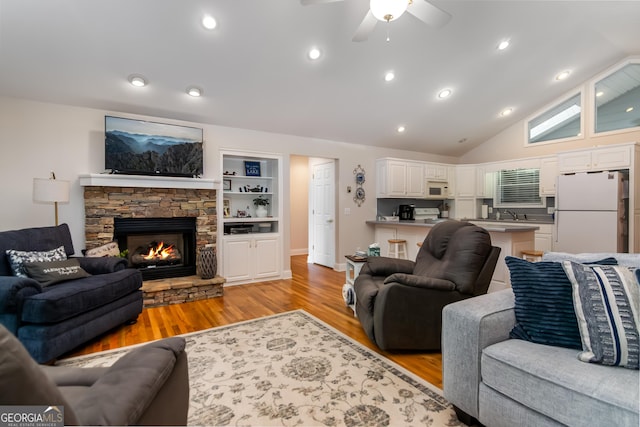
39 137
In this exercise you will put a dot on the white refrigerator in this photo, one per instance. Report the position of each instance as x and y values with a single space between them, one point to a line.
590 213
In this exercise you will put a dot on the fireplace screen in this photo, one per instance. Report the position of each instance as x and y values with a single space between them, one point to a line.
158 247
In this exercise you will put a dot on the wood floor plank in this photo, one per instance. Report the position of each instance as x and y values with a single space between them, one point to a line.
313 288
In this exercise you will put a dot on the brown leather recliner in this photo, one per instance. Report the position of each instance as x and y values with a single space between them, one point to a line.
399 302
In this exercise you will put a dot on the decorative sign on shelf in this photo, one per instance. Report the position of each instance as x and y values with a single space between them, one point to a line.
251 168
359 176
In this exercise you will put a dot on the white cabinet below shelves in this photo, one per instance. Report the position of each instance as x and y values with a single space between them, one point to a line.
249 258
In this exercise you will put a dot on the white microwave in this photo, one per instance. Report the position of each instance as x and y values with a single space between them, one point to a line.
436 190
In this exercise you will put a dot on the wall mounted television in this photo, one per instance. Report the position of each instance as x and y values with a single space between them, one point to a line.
138 147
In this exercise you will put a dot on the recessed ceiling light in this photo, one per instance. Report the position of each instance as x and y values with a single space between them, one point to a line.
389 76
209 22
314 53
401 129
444 93
137 80
598 94
194 91
503 44
630 109
563 75
506 112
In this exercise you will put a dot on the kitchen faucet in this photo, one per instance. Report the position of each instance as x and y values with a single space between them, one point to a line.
513 214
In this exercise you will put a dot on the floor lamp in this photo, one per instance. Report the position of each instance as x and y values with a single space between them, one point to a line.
51 190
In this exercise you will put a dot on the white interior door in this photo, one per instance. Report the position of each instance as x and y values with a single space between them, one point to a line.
323 214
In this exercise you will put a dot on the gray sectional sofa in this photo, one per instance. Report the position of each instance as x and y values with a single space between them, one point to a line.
499 381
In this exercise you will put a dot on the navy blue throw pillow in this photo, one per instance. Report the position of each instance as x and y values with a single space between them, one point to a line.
543 304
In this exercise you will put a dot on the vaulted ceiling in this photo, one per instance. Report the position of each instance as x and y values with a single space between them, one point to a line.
254 70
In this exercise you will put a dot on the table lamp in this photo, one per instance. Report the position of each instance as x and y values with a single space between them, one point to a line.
51 190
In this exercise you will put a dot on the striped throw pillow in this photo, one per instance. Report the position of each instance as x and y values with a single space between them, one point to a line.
607 304
543 304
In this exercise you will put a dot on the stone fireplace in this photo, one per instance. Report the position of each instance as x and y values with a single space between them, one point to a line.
158 247
106 202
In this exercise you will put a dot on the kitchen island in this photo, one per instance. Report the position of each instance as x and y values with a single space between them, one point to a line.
511 238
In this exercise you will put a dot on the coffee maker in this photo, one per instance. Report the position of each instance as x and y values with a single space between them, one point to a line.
406 212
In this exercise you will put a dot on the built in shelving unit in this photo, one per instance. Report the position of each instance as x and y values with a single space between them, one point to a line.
251 244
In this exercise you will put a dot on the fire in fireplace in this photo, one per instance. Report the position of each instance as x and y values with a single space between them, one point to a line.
158 247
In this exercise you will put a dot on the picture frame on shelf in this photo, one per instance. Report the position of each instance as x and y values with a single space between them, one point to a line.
252 168
226 208
226 185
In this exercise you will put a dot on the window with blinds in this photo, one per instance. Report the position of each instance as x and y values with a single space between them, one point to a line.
518 188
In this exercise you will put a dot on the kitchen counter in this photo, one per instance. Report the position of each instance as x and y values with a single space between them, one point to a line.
510 236
499 227
514 221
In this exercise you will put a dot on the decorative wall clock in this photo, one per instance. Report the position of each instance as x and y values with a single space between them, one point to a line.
360 194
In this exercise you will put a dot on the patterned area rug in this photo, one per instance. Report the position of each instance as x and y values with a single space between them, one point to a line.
292 369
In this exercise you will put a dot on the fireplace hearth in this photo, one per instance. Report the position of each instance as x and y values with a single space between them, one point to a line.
159 247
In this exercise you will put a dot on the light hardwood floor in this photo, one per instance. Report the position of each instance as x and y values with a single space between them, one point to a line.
313 288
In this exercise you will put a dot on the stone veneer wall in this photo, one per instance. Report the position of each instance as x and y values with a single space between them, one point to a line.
103 204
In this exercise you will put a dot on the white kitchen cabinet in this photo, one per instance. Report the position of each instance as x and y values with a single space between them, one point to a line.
399 178
595 159
544 237
466 181
485 183
249 258
451 173
548 176
436 172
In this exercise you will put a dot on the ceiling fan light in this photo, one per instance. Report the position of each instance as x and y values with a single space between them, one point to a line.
388 10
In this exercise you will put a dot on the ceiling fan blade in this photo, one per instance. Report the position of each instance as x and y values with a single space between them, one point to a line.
366 27
308 2
428 13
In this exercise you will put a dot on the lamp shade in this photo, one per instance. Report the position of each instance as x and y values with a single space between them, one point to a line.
50 190
388 10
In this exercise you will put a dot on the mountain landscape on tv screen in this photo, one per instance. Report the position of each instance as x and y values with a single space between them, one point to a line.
152 154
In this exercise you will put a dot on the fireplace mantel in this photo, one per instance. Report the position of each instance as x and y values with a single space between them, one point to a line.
113 180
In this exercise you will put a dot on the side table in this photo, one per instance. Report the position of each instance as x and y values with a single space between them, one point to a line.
353 267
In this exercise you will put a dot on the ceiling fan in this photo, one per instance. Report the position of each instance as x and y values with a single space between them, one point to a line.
390 10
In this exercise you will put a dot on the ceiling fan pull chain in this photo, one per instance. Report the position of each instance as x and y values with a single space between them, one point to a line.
388 25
